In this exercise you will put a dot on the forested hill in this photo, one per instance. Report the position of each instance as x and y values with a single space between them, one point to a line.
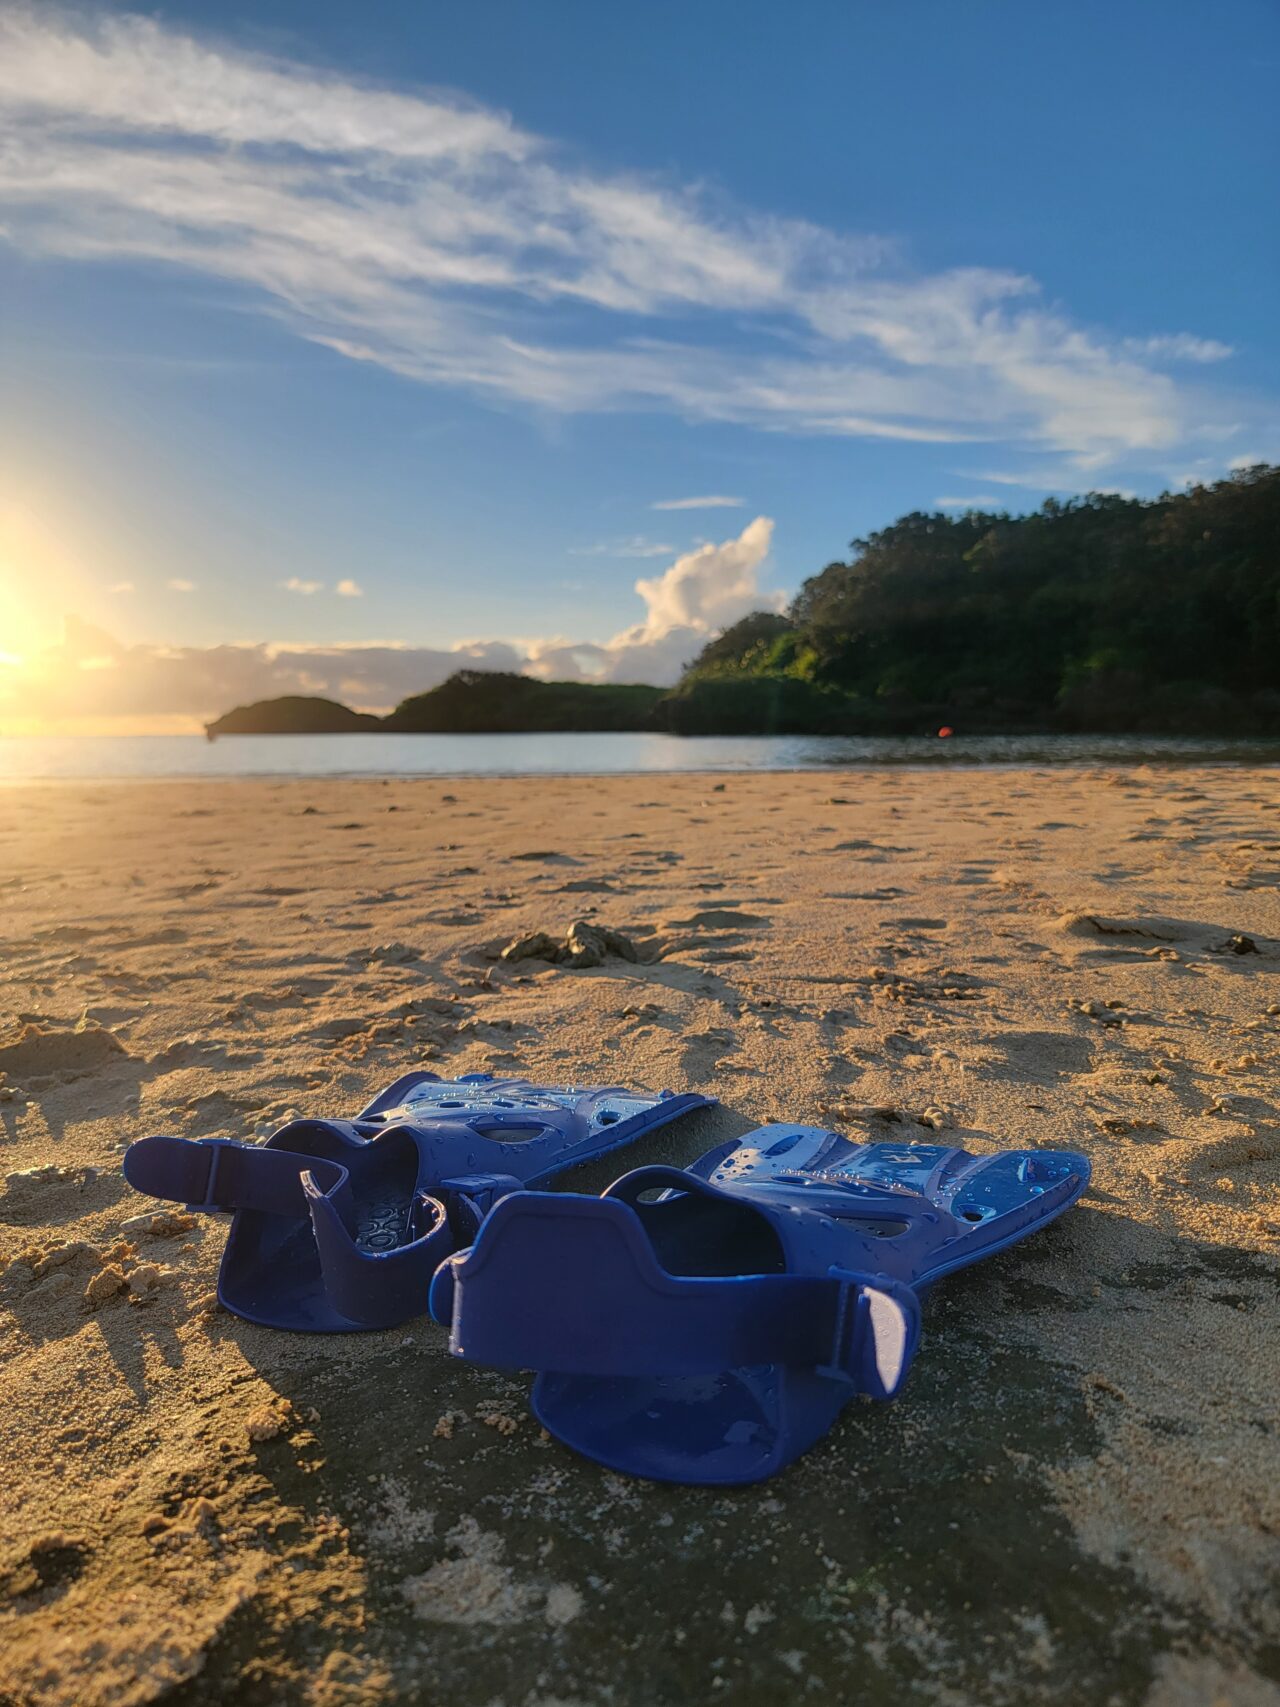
1101 613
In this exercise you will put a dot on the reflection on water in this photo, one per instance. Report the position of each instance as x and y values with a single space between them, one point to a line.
121 756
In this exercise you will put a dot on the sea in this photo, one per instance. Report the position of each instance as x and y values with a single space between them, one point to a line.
57 758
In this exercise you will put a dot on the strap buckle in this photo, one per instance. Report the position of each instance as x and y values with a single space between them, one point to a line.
477 1193
207 1203
847 1329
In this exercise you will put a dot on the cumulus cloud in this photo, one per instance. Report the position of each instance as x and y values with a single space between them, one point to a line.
715 502
90 677
296 585
701 593
438 239
709 587
349 590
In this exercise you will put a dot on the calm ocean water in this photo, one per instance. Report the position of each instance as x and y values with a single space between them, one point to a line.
66 758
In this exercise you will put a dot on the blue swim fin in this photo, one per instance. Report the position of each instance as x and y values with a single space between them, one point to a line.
339 1225
708 1325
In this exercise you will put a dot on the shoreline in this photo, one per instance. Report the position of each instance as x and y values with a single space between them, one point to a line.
180 759
992 767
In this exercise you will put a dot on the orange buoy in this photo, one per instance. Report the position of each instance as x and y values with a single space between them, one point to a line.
946 730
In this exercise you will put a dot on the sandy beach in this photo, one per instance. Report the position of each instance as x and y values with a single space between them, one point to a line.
1075 1499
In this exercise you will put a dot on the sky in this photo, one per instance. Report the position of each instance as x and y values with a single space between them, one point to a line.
343 346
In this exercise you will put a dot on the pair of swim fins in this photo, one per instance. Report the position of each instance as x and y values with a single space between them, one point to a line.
702 1325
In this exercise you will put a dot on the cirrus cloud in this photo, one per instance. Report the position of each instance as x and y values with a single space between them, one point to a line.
439 240
634 546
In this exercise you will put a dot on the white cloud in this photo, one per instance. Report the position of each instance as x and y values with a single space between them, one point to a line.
1046 477
176 584
92 676
978 501
1058 481
1179 347
635 546
709 587
132 74
349 590
701 593
201 681
295 585
436 239
121 587
715 502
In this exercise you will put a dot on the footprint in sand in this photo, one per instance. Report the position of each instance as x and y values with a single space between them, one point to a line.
200 1052
1036 1057
1119 933
720 918
167 937
886 894
29 1188
393 953
703 1052
48 1568
876 851
46 1049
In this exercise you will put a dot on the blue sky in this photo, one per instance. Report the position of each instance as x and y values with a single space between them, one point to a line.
436 304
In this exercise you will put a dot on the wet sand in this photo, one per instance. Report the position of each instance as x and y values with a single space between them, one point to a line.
1076 1498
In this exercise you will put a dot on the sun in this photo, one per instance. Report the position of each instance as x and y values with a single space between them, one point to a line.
40 577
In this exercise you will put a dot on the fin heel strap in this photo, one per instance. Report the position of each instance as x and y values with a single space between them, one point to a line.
210 1174
708 1326
570 1285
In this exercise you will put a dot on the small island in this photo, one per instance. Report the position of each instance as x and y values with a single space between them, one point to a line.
293 714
